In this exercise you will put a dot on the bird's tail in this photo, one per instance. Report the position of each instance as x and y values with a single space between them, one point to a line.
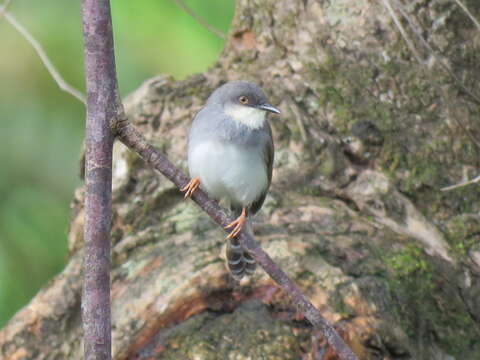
240 261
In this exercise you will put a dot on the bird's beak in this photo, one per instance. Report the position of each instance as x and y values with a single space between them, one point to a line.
268 107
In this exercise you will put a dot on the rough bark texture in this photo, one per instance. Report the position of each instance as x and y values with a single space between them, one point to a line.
102 93
367 138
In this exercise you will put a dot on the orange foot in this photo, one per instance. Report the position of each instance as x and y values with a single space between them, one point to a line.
191 187
237 224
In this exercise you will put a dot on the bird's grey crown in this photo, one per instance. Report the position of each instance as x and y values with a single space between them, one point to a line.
230 92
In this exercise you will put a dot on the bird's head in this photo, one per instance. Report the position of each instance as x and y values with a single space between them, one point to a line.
245 102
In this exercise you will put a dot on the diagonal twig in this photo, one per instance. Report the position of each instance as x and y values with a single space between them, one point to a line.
4 8
200 19
434 53
127 134
399 25
469 14
462 184
62 84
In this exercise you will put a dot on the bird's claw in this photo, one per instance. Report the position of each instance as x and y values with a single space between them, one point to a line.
190 188
237 225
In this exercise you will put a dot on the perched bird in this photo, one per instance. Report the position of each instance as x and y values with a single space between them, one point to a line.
230 156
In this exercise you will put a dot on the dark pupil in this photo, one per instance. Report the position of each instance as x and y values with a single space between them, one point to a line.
243 99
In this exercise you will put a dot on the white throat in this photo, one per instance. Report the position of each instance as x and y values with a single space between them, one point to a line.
249 116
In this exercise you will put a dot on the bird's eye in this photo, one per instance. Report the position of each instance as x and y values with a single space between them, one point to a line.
243 100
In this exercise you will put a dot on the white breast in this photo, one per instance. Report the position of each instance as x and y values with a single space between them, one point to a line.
229 171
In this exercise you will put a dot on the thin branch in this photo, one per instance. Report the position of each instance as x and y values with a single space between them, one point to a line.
102 92
299 118
469 14
200 19
462 184
62 84
432 51
399 25
4 8
127 134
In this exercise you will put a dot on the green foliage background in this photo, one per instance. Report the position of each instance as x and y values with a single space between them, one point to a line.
41 127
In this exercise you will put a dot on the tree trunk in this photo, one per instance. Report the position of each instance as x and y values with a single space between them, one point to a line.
380 108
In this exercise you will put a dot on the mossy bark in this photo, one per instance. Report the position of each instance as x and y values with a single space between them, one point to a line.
367 138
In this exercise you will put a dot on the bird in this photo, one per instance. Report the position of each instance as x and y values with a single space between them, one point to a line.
230 156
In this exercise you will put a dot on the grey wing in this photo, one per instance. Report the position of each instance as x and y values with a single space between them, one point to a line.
268 152
200 127
208 124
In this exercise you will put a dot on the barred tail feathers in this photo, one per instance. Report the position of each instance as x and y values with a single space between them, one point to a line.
240 261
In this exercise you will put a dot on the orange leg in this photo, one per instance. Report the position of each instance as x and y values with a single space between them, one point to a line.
190 188
237 224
